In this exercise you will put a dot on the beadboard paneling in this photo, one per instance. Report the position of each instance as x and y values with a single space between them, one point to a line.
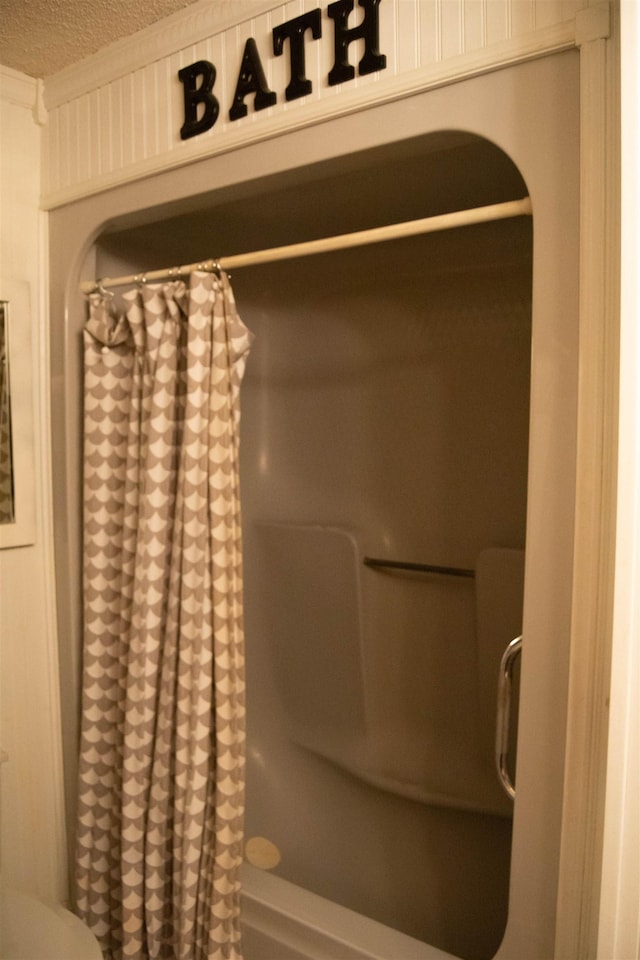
117 116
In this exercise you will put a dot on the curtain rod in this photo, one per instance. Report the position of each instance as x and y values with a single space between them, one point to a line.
395 231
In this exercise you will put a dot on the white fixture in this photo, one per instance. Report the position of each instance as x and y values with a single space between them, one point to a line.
33 930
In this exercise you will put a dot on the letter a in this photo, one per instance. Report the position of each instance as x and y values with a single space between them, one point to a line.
251 79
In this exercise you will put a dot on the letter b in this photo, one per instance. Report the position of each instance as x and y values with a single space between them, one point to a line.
195 96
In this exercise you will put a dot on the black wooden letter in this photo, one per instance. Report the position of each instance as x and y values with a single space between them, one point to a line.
251 79
195 95
368 31
294 31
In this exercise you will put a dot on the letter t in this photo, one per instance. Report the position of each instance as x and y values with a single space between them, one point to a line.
294 31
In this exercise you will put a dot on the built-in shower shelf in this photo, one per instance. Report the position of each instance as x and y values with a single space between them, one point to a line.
378 563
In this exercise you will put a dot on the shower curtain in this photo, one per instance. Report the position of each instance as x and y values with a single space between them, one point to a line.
159 838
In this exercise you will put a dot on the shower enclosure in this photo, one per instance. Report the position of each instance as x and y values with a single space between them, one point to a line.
411 403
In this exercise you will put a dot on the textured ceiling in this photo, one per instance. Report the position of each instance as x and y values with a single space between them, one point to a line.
41 37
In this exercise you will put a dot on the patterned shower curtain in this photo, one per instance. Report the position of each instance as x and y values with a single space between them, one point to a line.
159 839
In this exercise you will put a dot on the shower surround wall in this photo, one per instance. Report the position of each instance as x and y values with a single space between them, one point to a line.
386 413
118 122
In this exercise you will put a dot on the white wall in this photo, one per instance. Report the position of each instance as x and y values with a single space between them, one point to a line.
33 849
619 934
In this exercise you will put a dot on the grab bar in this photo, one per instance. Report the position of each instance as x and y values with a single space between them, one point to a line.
503 717
419 567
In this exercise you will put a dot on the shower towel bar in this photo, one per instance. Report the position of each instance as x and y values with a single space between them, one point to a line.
503 715
418 567
394 231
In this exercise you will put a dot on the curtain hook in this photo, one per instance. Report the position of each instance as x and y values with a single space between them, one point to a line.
101 290
141 279
219 269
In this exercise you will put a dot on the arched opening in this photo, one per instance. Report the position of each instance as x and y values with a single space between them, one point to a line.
385 414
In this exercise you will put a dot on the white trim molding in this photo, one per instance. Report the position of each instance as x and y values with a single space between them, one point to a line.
17 88
23 91
595 538
619 934
116 117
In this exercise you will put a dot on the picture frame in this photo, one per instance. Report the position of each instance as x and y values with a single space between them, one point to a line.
19 529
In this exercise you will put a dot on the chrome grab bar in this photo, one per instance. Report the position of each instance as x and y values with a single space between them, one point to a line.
503 717
418 567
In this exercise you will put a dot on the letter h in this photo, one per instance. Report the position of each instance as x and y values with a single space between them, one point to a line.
368 31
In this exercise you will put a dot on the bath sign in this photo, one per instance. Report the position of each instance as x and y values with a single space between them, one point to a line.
201 107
